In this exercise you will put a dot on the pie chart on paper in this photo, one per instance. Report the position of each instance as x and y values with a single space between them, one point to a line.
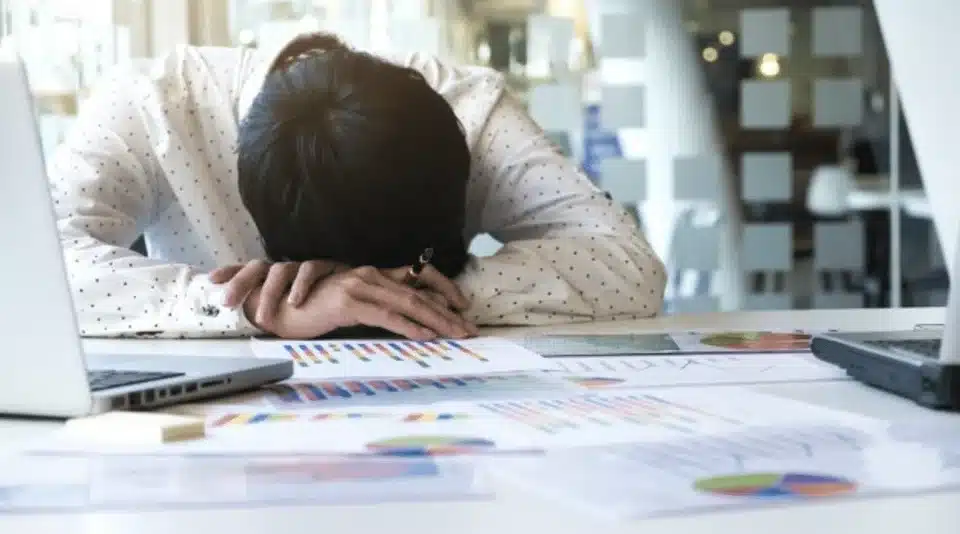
596 382
777 485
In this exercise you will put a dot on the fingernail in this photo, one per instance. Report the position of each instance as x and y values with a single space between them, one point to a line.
293 299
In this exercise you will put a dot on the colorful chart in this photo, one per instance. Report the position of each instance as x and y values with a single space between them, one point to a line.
240 419
430 446
592 411
772 485
420 353
305 393
350 469
595 382
759 341
430 417
602 345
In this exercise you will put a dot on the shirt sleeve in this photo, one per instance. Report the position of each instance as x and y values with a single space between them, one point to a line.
570 253
105 185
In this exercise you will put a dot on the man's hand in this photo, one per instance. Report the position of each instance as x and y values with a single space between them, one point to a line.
435 285
363 296
274 281
295 281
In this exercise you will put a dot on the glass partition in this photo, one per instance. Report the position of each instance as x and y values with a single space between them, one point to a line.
754 140
66 46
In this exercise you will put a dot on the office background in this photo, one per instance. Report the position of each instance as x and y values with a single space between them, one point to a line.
759 142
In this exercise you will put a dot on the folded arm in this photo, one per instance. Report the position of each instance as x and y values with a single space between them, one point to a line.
570 253
105 188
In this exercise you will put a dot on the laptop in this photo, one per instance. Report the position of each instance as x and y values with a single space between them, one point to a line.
44 371
923 364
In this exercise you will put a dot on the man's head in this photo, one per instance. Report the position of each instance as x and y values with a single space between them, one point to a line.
344 156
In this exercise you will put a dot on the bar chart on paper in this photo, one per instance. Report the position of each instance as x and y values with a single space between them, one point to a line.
401 358
644 416
597 418
422 390
233 419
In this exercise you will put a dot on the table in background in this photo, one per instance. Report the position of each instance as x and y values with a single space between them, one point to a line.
875 203
519 511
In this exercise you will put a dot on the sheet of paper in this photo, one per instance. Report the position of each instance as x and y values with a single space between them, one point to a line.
602 373
632 416
774 465
672 343
398 391
600 345
104 483
396 358
422 430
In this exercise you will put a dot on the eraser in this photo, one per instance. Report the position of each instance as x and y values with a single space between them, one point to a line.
136 428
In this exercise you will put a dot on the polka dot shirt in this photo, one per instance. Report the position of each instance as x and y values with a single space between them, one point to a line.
153 154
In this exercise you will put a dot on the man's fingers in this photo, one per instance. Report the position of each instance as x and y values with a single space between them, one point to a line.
278 281
417 297
370 314
402 300
306 278
224 274
248 278
435 280
437 298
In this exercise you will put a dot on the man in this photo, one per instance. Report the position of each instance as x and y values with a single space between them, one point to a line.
287 192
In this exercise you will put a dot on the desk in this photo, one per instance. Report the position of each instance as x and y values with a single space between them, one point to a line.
516 511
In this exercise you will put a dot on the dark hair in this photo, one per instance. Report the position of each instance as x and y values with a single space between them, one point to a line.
345 156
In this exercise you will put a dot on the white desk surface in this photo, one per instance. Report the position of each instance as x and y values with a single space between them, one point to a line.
515 511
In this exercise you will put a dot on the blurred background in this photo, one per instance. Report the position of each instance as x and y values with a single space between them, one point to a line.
759 142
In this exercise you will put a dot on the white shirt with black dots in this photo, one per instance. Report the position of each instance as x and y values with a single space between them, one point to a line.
153 154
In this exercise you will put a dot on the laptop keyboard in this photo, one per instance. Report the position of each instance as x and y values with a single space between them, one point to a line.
108 379
929 348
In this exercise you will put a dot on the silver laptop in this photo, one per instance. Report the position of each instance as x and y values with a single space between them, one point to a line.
43 369
922 345
921 364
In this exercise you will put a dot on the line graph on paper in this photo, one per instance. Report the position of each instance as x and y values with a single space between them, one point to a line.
644 371
608 418
701 455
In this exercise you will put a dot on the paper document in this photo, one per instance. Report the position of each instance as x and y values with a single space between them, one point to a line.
777 465
672 343
632 416
427 430
107 483
520 425
600 373
395 391
601 345
396 358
